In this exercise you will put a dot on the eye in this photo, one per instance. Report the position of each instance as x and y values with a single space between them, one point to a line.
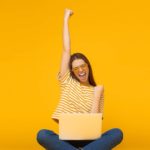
84 65
75 69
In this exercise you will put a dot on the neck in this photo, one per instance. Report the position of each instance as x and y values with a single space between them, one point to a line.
85 83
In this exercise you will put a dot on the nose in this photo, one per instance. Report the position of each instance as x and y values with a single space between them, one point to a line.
80 69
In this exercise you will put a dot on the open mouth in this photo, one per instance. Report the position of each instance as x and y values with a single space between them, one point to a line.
82 75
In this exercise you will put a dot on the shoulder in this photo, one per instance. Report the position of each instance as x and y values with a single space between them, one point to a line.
99 88
65 78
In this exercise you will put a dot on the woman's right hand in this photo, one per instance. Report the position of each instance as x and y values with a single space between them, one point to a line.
67 13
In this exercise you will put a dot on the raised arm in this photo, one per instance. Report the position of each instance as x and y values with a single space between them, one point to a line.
66 43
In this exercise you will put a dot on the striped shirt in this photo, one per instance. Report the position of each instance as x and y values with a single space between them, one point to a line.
74 96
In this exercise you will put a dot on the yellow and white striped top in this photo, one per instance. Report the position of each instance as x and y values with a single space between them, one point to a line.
74 96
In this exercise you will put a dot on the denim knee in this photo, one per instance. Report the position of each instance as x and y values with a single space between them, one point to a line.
118 133
42 134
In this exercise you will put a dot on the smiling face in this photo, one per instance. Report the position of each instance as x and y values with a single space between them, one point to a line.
81 70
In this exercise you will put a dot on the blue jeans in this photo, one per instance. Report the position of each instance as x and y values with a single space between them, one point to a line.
50 141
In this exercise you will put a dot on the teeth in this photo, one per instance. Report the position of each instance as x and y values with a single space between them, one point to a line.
82 74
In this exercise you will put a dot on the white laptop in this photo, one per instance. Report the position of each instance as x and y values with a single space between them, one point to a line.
80 126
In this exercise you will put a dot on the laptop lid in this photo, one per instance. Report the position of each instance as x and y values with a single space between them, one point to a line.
80 126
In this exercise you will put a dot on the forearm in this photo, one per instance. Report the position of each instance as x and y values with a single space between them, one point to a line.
95 105
66 35
98 93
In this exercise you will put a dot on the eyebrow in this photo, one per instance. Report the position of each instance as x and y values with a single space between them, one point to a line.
79 65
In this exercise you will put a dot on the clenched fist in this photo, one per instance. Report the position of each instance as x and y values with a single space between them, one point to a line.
68 13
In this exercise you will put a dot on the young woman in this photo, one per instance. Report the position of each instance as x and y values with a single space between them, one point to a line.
79 93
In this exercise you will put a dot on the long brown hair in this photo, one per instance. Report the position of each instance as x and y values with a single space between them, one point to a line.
83 57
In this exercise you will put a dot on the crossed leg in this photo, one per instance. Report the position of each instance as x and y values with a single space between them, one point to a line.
50 141
107 141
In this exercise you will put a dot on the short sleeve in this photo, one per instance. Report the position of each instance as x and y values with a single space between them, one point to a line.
65 78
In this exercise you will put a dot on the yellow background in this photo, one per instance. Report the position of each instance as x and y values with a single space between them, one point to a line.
114 35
